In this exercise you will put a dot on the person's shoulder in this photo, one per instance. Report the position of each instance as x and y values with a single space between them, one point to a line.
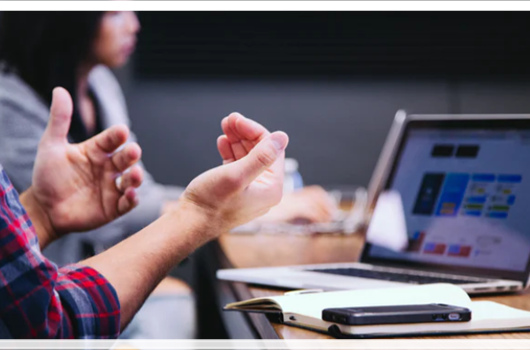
101 77
16 94
107 90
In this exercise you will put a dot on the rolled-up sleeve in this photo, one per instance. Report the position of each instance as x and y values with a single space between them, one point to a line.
90 301
39 300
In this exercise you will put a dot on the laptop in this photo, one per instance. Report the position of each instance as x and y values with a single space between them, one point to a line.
464 182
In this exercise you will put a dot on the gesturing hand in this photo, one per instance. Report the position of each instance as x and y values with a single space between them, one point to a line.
249 182
75 184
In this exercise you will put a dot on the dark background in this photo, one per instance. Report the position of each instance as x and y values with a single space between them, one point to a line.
332 81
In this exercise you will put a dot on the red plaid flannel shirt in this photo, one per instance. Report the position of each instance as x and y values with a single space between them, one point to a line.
40 300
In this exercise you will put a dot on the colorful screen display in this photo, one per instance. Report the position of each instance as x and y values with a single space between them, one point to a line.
466 196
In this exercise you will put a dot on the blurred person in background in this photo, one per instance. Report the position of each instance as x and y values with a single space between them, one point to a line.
75 50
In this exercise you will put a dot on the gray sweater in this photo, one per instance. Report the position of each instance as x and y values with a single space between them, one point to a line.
23 119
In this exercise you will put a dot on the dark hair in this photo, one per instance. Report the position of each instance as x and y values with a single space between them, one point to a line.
46 48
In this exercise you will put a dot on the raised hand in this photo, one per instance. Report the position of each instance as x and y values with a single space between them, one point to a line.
75 184
249 182
310 204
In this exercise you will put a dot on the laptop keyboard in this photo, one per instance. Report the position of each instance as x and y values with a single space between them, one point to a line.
399 277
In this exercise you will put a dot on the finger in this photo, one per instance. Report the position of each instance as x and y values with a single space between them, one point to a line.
321 203
263 156
278 167
313 212
248 145
227 129
239 150
132 178
322 213
127 157
320 217
127 201
60 116
329 204
310 217
240 142
109 140
233 118
250 132
248 129
225 149
322 197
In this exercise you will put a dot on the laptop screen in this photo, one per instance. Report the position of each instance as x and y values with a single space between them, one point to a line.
465 188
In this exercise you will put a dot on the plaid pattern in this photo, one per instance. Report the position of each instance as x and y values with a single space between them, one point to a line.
39 300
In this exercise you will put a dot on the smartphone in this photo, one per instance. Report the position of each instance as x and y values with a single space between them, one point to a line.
424 313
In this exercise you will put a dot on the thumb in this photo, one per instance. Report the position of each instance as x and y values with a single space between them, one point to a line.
263 156
60 116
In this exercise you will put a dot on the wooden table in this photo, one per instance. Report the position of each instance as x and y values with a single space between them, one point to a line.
277 250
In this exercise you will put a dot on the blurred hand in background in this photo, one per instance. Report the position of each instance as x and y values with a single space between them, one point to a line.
311 204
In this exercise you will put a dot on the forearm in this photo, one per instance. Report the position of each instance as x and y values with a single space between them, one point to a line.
41 222
135 266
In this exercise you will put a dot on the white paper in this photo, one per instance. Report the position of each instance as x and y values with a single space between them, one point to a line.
387 227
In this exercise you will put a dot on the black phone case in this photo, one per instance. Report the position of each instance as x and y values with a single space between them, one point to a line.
396 314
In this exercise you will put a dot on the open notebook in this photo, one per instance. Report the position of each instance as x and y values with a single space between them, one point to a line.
305 310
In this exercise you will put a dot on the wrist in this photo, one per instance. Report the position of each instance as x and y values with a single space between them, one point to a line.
39 218
206 223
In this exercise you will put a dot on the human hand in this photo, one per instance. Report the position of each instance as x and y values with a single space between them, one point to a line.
249 182
311 204
74 185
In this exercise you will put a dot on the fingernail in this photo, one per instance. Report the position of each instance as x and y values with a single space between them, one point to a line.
279 140
236 114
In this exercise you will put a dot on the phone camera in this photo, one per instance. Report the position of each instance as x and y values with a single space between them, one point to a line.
453 316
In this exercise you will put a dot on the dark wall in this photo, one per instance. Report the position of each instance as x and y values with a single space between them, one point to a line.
339 45
336 129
